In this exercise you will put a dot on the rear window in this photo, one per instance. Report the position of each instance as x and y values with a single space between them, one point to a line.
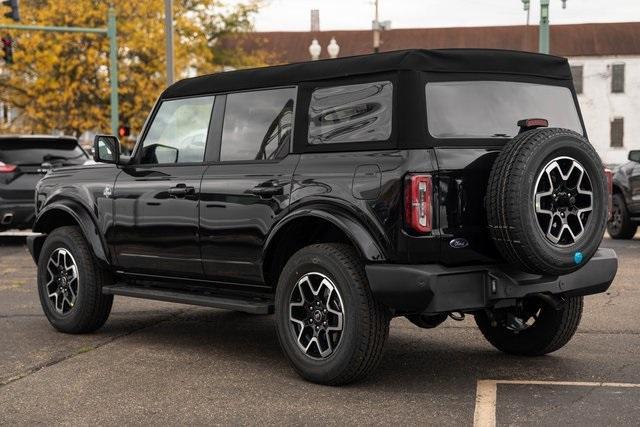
58 152
492 109
352 113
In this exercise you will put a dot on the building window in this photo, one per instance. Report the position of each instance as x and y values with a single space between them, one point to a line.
576 72
617 78
617 132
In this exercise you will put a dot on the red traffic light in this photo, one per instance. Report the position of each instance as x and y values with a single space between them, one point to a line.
124 131
7 50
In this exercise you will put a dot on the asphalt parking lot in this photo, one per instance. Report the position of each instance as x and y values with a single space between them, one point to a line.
173 364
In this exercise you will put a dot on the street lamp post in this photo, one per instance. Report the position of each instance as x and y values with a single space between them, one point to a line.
168 29
543 42
527 8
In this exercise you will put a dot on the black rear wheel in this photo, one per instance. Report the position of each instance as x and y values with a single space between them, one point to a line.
533 328
620 225
329 326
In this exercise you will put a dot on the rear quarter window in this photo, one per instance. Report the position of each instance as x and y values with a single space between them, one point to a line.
351 113
492 109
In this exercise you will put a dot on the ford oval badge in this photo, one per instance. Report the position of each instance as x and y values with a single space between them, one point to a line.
459 243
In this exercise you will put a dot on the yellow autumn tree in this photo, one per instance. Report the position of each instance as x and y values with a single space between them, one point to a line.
60 81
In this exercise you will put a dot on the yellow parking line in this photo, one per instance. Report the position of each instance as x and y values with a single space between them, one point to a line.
487 393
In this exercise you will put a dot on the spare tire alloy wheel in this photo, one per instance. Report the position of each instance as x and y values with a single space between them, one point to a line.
62 280
563 200
316 315
546 201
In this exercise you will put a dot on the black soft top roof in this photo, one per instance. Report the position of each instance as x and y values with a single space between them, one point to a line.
477 61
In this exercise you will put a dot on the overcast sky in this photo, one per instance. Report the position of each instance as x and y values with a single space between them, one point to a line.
294 15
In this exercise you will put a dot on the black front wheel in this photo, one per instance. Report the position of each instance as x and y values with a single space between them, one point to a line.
70 283
533 327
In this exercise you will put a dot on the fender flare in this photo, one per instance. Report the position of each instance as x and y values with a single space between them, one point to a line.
81 216
352 228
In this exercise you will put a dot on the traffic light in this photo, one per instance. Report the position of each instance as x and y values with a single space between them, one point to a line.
7 50
14 13
124 131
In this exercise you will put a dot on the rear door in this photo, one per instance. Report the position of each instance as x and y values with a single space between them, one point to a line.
247 186
26 160
157 196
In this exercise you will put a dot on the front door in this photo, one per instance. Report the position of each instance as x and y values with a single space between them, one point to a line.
246 191
157 196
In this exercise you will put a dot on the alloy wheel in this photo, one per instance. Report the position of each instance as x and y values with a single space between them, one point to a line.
62 280
316 315
563 201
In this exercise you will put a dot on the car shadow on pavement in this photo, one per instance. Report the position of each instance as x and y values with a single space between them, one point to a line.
413 360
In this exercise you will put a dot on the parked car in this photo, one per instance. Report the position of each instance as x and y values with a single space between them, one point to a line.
341 193
625 217
23 161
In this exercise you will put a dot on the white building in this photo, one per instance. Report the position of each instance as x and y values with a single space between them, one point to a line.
609 93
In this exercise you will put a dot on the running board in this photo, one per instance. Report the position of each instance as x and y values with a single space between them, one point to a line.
253 306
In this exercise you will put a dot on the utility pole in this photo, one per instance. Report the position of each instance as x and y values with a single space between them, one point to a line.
168 30
376 30
111 33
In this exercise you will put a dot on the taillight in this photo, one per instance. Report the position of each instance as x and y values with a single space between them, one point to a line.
6 168
418 191
609 174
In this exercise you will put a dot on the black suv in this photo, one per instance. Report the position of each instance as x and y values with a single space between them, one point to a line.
23 161
341 193
625 218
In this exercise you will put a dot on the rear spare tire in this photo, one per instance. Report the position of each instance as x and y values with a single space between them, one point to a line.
547 201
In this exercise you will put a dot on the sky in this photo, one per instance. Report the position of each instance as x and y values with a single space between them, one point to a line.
294 15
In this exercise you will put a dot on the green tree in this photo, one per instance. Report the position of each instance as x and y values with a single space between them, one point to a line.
60 81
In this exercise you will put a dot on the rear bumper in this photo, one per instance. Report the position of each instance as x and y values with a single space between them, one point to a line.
435 288
16 215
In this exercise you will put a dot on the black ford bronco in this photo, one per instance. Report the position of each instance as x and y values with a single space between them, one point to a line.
339 194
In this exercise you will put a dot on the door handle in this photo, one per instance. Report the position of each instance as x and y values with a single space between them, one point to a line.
267 190
181 190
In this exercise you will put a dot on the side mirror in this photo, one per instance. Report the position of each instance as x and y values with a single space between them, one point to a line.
106 149
634 156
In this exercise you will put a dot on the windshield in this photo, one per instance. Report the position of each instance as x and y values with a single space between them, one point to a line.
25 151
492 109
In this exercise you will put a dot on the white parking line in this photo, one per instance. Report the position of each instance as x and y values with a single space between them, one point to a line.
487 393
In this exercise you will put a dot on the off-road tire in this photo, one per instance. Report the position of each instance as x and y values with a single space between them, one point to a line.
626 229
511 216
366 322
553 329
92 307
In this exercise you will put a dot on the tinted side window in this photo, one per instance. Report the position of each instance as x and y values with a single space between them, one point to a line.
258 125
178 133
353 113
